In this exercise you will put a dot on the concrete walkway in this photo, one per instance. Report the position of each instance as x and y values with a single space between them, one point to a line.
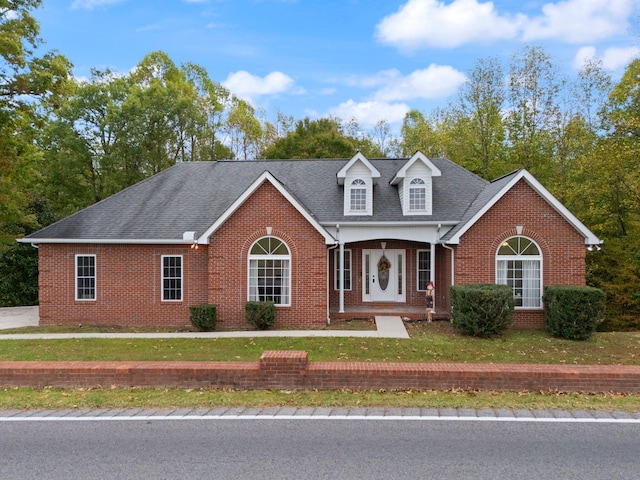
328 413
16 317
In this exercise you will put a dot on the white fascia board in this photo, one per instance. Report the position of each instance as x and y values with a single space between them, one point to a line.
341 175
109 241
589 237
444 223
402 173
268 177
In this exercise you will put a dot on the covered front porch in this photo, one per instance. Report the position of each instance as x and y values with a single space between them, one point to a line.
389 275
352 312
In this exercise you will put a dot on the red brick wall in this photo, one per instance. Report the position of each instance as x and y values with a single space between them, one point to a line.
228 261
291 370
128 285
563 248
129 276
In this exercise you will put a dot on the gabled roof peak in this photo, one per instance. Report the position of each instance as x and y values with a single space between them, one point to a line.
358 157
416 157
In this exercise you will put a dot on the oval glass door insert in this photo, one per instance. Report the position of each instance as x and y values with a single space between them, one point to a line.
384 265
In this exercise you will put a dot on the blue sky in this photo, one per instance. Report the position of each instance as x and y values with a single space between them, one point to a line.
366 59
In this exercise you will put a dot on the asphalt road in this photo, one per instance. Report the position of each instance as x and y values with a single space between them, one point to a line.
317 449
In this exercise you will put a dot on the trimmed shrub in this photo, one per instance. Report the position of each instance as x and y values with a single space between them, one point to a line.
203 317
260 314
573 312
482 310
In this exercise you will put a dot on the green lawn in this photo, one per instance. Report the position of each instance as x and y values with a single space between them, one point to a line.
435 342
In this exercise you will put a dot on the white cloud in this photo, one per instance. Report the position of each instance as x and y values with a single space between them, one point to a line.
91 4
576 21
435 81
612 58
369 113
248 86
432 23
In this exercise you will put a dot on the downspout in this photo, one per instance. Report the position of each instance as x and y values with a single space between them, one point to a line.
453 258
453 261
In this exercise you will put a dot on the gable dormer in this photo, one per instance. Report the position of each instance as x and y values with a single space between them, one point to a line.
358 177
415 185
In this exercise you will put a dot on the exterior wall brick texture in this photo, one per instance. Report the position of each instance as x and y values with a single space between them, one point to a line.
128 285
229 253
290 370
562 247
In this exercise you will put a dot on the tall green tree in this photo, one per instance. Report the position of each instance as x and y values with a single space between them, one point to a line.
420 133
533 90
321 138
244 131
478 119
27 82
610 190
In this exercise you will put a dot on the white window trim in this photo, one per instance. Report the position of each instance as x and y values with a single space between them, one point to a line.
336 271
162 279
95 277
417 187
251 257
538 257
428 252
358 184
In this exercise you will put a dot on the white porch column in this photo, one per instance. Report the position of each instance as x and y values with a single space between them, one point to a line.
341 277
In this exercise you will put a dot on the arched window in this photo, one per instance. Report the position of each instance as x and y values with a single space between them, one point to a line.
269 271
519 265
358 195
417 194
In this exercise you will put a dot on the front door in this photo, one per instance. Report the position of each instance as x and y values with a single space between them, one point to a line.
383 275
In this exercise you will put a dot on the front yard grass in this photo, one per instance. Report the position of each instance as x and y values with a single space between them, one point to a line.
162 398
429 342
434 342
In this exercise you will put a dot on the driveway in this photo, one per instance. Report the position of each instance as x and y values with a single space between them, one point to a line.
16 317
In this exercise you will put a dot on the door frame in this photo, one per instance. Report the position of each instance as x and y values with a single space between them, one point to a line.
398 259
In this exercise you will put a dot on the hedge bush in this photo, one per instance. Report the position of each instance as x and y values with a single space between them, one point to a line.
482 310
203 317
260 314
573 312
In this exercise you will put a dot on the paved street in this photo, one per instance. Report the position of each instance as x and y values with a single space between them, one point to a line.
316 444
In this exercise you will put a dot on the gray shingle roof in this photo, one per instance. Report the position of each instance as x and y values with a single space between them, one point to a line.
484 197
191 196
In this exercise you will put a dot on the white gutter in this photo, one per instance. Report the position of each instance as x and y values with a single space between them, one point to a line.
110 241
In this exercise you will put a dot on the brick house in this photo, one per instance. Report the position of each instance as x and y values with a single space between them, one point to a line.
324 239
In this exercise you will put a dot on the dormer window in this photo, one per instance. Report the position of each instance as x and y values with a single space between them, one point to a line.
358 195
417 195
415 185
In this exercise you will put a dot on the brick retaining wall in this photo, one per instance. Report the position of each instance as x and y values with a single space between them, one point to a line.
291 370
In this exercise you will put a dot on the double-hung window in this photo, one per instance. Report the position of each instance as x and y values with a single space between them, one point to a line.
417 195
269 271
519 265
358 195
424 269
85 277
172 278
347 270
